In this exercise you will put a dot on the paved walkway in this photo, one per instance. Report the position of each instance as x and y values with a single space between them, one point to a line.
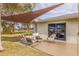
57 49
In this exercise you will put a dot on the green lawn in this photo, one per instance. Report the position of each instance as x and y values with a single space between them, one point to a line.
13 49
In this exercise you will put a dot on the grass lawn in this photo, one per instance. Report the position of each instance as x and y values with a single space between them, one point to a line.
13 49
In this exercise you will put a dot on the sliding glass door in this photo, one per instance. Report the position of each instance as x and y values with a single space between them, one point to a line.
58 30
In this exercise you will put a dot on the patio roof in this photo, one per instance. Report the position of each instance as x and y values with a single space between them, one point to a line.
28 17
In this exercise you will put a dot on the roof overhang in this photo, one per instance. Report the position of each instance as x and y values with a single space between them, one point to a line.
63 17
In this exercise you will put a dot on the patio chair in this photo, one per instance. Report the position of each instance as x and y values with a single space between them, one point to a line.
29 41
26 39
36 37
23 39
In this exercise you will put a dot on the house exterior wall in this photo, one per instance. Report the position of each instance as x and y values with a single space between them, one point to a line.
42 29
71 29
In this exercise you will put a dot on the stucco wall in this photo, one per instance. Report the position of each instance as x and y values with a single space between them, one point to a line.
71 30
42 29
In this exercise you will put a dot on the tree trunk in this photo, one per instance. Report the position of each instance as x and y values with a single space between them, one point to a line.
13 28
28 27
1 48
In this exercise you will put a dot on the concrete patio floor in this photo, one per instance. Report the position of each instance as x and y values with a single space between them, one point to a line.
57 48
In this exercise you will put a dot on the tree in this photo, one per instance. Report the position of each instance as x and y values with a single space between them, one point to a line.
15 8
11 9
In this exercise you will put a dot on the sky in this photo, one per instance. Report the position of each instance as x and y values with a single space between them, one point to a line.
67 8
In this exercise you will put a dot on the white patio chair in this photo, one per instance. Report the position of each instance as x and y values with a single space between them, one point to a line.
35 35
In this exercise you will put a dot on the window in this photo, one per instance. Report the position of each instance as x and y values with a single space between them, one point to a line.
58 30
